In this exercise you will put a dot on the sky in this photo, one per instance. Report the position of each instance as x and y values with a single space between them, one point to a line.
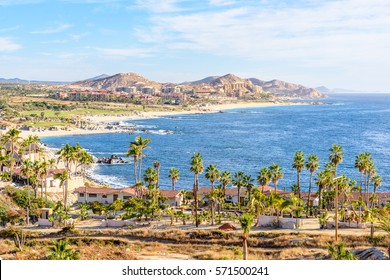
335 43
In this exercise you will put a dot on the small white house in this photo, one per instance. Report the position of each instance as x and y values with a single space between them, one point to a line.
175 198
104 195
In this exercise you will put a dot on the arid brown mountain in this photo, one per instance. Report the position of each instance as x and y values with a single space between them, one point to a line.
229 85
117 81
282 88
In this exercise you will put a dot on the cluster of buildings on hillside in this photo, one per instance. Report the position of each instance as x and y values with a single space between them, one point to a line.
169 93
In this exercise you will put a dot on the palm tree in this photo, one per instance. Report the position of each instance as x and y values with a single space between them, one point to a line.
174 174
212 174
157 166
360 164
276 174
150 176
257 203
141 144
248 184
238 181
134 151
29 141
336 157
51 163
264 178
197 168
377 181
371 172
85 160
63 178
60 251
312 164
12 138
225 180
246 221
299 164
68 155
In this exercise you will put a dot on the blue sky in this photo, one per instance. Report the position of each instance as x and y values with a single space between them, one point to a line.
343 43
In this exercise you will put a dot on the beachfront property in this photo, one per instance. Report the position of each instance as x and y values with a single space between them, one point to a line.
109 195
103 195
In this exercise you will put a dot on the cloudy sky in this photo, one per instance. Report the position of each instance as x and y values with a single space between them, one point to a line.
336 43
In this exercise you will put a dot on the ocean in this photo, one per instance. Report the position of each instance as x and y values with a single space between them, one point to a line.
248 139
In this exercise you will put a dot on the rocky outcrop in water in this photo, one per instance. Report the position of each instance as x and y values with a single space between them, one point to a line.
113 159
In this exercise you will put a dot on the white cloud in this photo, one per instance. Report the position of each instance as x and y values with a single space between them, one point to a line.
58 29
7 45
328 33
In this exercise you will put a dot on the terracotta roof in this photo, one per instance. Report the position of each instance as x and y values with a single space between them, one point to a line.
105 191
169 193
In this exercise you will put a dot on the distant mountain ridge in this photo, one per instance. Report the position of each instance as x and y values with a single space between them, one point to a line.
282 88
276 87
20 81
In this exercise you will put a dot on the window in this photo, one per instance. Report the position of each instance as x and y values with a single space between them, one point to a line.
81 194
104 196
126 197
92 195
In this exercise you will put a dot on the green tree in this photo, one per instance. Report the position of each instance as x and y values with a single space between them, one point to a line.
276 174
141 144
61 251
336 157
197 168
63 177
212 174
174 174
264 177
157 166
312 164
246 221
134 152
299 165
338 252
238 182
12 138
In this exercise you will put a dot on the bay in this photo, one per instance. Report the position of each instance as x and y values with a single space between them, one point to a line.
248 139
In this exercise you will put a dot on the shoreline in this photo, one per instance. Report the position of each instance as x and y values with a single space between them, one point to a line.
96 119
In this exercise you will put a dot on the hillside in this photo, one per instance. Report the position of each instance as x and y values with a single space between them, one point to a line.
282 88
117 81
229 85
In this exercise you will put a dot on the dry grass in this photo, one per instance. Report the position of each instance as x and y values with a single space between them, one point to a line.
148 243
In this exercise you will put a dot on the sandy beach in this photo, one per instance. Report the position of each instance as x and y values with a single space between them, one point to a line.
101 119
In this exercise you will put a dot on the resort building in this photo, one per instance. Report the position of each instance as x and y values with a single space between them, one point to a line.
175 198
103 195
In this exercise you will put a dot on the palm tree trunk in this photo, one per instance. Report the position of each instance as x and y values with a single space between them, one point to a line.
196 200
238 198
212 203
245 248
308 197
66 195
299 184
361 182
139 169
